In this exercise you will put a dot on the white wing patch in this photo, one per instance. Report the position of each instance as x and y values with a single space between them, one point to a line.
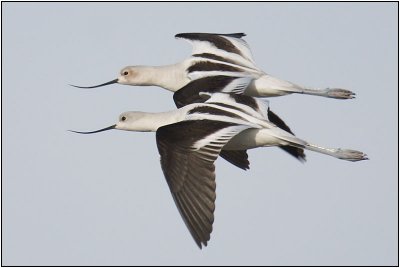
263 106
238 86
243 47
260 113
218 139
201 74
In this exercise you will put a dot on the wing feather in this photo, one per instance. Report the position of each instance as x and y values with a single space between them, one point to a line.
229 46
259 109
191 94
188 150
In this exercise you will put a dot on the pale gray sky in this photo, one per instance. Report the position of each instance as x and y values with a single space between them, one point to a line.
102 199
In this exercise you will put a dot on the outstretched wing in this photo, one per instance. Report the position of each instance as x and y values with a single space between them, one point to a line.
230 48
188 150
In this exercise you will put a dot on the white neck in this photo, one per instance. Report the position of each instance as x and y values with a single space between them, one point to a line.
170 77
140 121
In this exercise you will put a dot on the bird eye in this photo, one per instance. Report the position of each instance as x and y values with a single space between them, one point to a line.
123 118
126 73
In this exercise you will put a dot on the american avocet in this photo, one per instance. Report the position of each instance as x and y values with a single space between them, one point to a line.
219 63
190 139
216 55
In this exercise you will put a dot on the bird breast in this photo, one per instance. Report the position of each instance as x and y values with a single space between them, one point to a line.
253 138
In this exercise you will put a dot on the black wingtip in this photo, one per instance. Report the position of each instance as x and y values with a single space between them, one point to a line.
201 244
189 35
237 158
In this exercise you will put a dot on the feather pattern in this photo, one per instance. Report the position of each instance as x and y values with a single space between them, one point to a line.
228 46
188 150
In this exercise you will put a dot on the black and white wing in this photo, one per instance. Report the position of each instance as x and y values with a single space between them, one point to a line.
229 48
188 150
257 108
228 84
219 63
211 84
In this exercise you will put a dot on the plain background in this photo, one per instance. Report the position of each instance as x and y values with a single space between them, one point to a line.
101 199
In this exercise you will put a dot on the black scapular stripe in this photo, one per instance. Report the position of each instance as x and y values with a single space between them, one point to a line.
206 66
213 111
213 57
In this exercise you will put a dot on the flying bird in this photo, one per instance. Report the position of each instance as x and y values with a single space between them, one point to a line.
224 56
189 140
219 63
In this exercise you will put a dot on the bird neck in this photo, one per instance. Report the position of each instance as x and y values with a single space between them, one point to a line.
150 122
170 77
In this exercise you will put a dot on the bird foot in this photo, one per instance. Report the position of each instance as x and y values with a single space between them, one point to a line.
351 155
338 93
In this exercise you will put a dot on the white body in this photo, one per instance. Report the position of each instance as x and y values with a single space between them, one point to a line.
174 77
259 132
231 56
